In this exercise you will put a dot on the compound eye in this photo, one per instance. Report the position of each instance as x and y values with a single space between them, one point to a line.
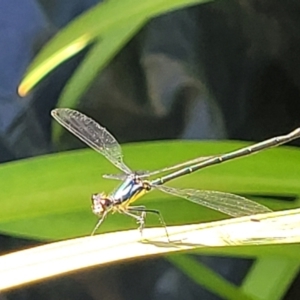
95 197
100 203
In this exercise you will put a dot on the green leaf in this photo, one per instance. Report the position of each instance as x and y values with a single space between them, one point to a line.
49 197
207 278
263 283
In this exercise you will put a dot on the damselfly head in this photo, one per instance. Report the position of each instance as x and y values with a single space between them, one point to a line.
100 203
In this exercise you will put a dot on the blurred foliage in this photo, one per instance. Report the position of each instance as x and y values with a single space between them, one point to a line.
108 35
43 198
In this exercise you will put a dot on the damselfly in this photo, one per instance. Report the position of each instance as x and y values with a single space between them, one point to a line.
135 184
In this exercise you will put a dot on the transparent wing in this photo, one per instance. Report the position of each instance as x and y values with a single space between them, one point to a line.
229 204
91 133
115 176
145 174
